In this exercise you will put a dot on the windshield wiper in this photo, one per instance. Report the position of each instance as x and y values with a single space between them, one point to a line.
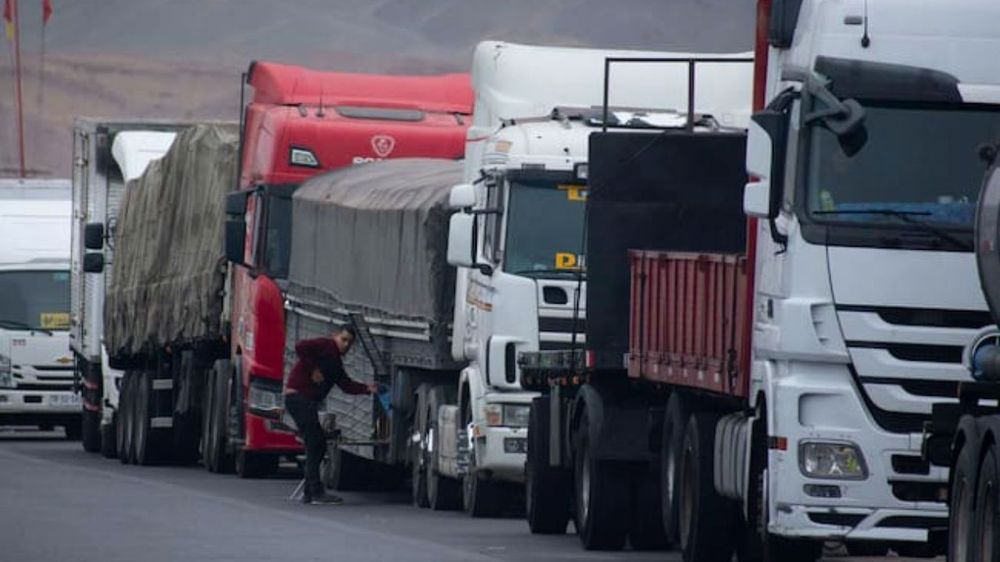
18 325
907 217
552 271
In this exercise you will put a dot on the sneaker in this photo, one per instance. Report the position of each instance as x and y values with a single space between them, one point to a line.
326 499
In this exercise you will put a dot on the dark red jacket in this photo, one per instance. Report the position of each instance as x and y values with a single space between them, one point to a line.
322 354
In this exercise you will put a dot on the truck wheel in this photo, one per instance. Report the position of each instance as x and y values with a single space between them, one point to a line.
962 494
126 407
145 447
705 516
646 531
109 438
481 497
346 472
418 482
987 522
220 459
443 493
255 465
671 445
548 491
603 510
74 430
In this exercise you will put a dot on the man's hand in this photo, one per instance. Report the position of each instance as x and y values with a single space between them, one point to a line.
316 376
373 388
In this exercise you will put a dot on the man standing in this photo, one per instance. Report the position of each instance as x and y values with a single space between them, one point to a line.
318 369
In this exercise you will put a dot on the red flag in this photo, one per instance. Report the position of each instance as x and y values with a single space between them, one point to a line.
46 11
8 18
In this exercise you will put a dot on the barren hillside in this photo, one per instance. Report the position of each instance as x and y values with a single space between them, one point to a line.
183 58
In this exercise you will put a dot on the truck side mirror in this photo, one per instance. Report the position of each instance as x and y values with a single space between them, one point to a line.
236 233
93 236
767 138
461 240
236 226
462 196
93 262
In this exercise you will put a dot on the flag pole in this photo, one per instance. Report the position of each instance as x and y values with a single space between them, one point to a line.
17 73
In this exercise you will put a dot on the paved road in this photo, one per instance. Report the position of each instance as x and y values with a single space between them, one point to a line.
59 503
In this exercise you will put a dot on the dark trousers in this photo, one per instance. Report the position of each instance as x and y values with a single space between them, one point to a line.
304 412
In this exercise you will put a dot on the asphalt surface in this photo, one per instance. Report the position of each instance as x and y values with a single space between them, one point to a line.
59 503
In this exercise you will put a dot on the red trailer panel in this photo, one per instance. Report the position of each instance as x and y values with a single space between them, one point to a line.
688 320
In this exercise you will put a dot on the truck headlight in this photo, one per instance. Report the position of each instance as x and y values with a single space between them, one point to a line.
6 377
303 157
841 461
264 398
507 415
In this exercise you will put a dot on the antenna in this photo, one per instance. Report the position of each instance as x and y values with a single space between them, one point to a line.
865 39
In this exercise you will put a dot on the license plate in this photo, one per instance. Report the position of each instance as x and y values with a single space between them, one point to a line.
64 400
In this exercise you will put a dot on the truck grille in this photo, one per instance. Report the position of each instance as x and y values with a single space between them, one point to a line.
906 359
555 333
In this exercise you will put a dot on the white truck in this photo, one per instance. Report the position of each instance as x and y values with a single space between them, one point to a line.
866 294
518 235
107 154
36 367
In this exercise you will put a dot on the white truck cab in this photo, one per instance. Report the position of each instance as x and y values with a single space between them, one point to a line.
36 366
518 237
866 285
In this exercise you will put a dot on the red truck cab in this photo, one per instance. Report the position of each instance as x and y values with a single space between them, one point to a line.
299 123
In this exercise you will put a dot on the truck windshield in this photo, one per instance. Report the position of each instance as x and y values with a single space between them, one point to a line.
278 238
545 228
34 300
919 169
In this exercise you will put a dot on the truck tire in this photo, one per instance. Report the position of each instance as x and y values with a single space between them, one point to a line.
962 493
646 531
987 517
418 480
706 518
74 430
149 449
222 460
481 497
249 464
126 407
443 493
603 495
109 438
675 418
548 491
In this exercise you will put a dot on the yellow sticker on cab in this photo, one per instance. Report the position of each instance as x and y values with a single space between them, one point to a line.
574 192
54 321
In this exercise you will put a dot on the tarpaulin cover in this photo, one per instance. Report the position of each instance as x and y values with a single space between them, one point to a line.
169 268
374 237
